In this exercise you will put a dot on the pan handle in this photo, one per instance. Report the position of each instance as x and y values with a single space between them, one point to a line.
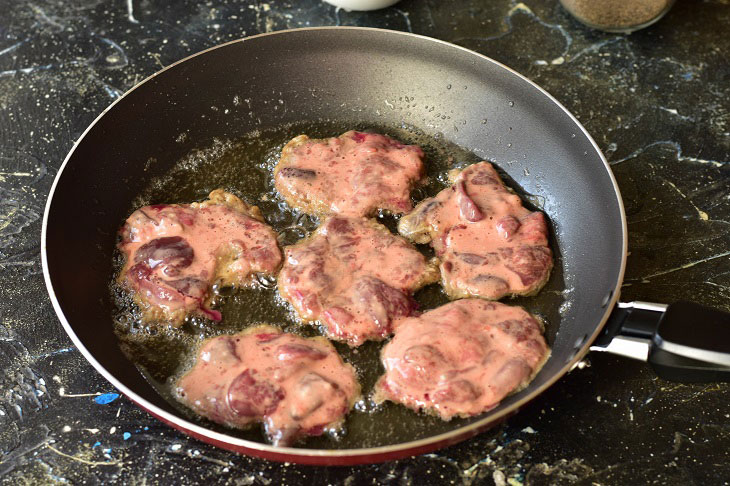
681 342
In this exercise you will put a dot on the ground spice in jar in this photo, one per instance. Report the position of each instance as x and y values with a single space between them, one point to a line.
617 15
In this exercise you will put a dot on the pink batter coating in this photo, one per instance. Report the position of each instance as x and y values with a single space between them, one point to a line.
355 277
296 386
174 252
488 243
461 359
352 175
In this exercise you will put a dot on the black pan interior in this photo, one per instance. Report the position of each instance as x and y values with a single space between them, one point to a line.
223 112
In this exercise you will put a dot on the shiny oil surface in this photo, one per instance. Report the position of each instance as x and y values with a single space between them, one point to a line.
244 166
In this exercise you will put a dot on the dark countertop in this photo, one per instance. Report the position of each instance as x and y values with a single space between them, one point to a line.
656 102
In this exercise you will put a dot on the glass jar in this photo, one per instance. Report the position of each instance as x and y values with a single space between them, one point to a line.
620 16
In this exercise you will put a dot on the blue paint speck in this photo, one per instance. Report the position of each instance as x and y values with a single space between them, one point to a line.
126 435
146 428
688 75
96 444
108 451
106 398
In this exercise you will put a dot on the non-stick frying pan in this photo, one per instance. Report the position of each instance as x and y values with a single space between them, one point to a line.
354 77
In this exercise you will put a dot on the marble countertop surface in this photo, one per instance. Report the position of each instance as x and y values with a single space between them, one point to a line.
655 101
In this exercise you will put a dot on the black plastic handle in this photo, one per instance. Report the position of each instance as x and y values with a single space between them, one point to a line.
685 341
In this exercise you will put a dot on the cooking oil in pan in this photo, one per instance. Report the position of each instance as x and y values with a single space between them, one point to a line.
245 168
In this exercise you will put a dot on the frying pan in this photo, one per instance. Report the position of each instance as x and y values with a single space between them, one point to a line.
334 79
